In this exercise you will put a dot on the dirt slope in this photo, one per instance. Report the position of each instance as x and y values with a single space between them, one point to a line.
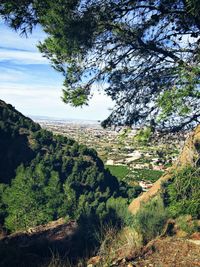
168 252
190 155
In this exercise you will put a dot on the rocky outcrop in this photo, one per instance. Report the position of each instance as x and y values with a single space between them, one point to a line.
190 155
54 231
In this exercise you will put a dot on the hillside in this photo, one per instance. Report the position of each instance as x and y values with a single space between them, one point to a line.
44 177
15 130
56 195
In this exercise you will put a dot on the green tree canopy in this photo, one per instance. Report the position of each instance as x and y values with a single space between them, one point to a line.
145 53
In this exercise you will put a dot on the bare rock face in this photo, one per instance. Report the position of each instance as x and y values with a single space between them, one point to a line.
190 155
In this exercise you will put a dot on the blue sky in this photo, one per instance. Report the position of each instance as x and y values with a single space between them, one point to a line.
29 83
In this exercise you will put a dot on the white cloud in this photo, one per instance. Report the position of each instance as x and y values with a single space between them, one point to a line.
11 75
20 49
27 90
11 39
22 57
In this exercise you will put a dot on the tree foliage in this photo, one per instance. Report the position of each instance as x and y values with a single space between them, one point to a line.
144 53
182 193
14 131
35 197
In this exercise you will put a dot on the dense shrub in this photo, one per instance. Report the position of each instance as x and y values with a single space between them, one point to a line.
120 206
187 224
150 219
182 192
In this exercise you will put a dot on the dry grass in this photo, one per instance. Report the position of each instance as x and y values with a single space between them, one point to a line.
117 245
57 261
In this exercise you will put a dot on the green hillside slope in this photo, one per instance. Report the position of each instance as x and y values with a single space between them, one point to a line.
44 177
15 130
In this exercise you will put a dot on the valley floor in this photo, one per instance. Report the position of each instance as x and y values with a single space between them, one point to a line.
134 163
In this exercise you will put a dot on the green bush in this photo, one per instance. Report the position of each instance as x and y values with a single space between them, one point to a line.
120 206
186 224
150 219
182 193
